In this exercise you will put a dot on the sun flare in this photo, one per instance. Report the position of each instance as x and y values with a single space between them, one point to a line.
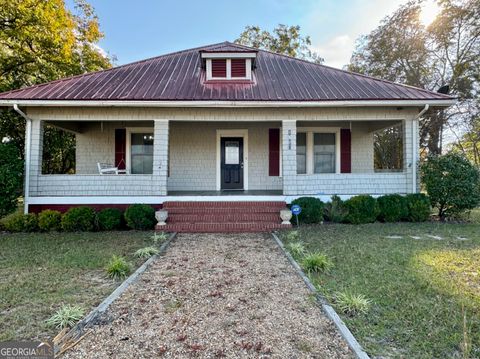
430 10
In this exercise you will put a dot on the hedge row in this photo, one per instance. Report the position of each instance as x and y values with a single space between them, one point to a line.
365 209
79 219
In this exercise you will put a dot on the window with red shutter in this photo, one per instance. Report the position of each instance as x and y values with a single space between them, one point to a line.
238 68
219 68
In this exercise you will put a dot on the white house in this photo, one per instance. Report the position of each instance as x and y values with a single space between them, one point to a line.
219 123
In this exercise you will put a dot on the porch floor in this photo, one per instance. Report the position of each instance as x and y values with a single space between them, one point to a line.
227 193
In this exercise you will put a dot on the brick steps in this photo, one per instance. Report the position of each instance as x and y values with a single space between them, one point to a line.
223 216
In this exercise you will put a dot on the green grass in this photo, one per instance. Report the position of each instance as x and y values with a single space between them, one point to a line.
416 287
40 272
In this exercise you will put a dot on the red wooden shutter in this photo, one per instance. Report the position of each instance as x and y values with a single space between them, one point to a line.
274 152
120 147
219 68
345 150
238 68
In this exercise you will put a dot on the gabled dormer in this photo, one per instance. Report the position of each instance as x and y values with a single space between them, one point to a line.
228 62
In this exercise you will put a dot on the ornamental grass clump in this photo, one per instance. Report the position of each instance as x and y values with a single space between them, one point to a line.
352 304
316 263
296 249
66 317
146 252
118 268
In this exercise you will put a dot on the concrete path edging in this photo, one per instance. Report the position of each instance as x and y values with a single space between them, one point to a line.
78 329
327 309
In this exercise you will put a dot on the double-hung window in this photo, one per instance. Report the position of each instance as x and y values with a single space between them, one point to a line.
317 151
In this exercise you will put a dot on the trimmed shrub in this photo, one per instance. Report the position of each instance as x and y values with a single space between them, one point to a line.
336 210
393 208
19 222
452 183
418 206
78 219
140 216
11 178
109 219
49 220
312 209
362 209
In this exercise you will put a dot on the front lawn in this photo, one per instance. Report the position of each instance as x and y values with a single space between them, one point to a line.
418 287
41 271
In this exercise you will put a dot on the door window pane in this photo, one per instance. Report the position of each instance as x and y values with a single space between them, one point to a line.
301 152
232 153
324 152
142 153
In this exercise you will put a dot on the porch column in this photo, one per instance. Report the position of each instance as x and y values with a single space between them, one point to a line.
33 158
160 156
289 157
410 163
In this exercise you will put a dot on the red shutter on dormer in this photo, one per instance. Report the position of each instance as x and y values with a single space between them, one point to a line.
219 68
239 68
120 147
274 152
345 150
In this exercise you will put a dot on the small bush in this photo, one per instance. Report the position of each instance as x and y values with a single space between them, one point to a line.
13 222
316 263
296 249
418 206
49 220
393 208
312 210
118 268
362 209
146 252
336 210
109 219
11 177
351 304
78 219
452 183
140 216
30 222
66 317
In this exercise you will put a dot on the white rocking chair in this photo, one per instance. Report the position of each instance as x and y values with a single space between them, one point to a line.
109 169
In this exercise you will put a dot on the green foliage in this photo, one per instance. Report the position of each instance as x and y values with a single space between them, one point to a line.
49 220
11 174
109 219
285 40
79 219
292 235
118 268
140 216
159 237
418 206
30 222
19 222
312 209
296 249
336 210
352 304
393 208
316 263
66 317
362 209
452 183
146 252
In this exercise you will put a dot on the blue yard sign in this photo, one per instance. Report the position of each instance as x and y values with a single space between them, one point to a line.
296 210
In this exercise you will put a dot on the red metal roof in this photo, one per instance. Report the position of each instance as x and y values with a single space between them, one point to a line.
180 76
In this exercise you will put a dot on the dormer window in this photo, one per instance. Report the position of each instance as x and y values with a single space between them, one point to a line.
221 66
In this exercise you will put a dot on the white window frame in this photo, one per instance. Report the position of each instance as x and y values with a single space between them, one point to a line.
248 73
310 153
128 145
232 133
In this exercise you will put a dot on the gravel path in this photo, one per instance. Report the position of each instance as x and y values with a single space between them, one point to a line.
213 296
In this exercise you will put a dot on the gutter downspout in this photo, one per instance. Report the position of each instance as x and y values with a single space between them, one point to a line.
28 142
415 147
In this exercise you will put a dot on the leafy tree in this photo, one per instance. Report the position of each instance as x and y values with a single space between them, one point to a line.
452 183
40 41
403 50
469 143
11 173
284 39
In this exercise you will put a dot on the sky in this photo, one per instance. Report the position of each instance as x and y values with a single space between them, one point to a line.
135 30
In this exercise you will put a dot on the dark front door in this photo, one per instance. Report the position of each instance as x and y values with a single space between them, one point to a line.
232 162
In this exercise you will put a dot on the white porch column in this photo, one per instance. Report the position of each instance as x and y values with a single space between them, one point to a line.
289 157
160 156
33 158
410 151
